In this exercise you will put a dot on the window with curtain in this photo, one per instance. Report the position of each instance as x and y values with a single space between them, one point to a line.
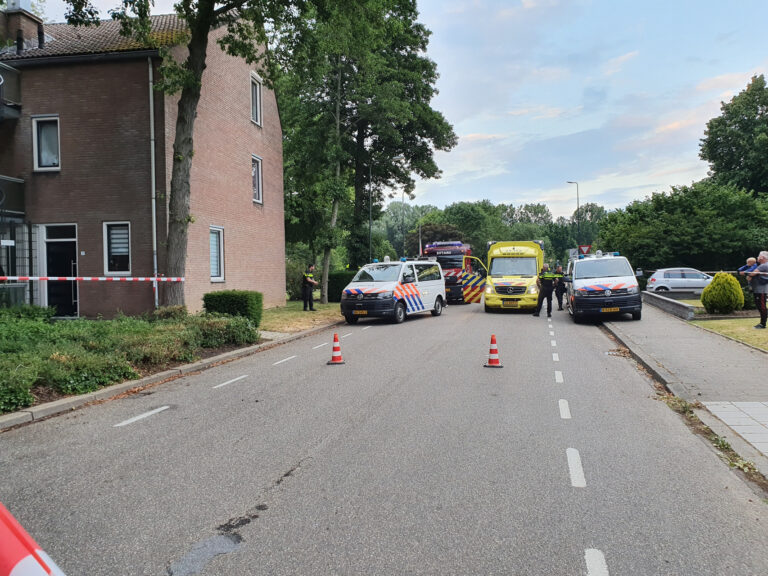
46 143
256 178
117 253
255 99
217 254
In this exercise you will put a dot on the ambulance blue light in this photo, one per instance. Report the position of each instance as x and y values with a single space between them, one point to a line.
403 259
616 254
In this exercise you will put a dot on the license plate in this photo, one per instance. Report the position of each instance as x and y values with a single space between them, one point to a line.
364 312
510 304
609 309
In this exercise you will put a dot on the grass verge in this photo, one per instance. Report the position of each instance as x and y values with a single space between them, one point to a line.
741 329
291 318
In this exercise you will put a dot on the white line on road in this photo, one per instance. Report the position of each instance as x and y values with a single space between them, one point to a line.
565 411
558 377
347 334
551 332
553 342
230 381
574 466
366 328
596 565
284 360
320 345
141 416
555 357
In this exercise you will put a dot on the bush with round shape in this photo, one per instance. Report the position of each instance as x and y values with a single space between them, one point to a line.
723 295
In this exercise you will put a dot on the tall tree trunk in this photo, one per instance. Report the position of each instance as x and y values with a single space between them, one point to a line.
183 149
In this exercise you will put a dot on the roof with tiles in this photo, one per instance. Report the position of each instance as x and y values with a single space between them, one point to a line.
67 40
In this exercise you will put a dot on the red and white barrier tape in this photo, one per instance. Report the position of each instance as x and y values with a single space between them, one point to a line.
91 279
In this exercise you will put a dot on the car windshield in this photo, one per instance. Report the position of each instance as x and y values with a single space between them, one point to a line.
602 268
513 267
378 273
453 261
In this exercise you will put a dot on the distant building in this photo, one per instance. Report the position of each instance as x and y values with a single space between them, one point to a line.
86 150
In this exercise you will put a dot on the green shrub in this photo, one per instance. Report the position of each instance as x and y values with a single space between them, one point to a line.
71 369
166 342
337 281
216 331
28 312
294 276
237 303
170 313
17 375
723 295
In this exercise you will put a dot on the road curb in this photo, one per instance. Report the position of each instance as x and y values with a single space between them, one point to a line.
70 403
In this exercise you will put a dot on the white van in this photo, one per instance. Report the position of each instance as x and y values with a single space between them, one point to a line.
602 284
394 290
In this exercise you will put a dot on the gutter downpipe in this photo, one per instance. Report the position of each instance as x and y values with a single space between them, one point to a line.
152 168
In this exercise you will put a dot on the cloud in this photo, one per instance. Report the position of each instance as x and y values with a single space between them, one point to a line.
541 112
614 65
480 137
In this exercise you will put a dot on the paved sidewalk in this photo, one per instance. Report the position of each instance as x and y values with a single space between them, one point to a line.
700 366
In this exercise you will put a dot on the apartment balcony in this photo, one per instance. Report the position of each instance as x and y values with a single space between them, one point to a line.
10 93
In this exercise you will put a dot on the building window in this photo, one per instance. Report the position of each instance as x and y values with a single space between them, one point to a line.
255 98
45 143
217 254
117 248
256 179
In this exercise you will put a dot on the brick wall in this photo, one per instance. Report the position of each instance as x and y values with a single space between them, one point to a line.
221 184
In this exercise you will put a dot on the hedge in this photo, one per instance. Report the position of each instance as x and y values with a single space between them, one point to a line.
246 303
337 281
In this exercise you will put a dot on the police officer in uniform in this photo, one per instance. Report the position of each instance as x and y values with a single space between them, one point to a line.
559 286
308 284
546 284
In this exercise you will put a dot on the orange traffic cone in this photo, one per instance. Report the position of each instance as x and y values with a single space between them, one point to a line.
336 356
21 555
493 355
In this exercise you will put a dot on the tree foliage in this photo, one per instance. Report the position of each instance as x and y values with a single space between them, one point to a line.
736 143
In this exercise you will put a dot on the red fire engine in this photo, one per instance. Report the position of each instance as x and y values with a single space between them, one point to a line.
451 258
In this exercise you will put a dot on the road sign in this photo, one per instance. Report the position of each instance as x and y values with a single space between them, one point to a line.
584 248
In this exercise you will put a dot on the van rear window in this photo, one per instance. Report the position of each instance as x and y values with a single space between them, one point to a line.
602 268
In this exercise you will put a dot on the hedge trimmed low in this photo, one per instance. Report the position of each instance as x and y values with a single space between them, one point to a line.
246 303
337 282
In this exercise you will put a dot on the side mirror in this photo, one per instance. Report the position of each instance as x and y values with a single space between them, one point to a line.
639 273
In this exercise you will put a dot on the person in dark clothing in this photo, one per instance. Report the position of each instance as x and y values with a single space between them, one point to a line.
308 284
559 287
546 284
760 287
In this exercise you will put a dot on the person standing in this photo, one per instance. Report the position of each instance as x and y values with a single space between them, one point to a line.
308 284
559 286
546 284
760 286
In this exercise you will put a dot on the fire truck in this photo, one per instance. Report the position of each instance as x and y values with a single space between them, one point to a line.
451 258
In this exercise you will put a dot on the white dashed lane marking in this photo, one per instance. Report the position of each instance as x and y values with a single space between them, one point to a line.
565 411
230 381
553 342
555 357
574 466
284 360
558 377
141 416
366 328
347 334
320 345
596 565
551 332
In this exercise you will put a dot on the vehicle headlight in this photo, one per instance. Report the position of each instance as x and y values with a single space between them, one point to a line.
346 295
488 289
385 295
533 289
633 290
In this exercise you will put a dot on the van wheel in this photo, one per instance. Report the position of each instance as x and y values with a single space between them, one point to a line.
438 309
399 313
637 315
351 319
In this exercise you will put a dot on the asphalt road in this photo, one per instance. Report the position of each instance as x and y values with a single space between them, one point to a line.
410 458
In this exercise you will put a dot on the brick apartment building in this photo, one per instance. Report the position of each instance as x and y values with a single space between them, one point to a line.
85 166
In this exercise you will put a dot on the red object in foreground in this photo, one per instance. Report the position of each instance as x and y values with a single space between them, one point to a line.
20 555
493 355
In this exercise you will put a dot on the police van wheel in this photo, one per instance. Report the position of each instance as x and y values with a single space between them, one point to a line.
399 313
637 315
351 319
438 309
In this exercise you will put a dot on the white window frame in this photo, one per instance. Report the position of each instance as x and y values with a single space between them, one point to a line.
105 235
35 154
258 83
260 183
219 230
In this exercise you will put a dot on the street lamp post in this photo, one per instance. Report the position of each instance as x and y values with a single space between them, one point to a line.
402 220
370 212
578 216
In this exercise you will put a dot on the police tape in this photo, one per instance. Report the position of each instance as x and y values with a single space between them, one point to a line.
91 279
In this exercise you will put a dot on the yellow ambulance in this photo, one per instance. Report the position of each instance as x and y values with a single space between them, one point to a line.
508 279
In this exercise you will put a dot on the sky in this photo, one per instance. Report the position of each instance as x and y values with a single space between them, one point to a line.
612 94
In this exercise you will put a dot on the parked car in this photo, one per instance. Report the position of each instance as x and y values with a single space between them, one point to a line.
679 280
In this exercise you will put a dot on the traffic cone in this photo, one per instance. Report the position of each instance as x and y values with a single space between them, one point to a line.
336 356
493 355
20 554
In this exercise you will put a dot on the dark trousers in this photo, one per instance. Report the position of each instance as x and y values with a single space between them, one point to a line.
559 296
542 295
306 295
760 305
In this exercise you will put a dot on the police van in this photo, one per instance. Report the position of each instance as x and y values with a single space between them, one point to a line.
394 290
598 284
